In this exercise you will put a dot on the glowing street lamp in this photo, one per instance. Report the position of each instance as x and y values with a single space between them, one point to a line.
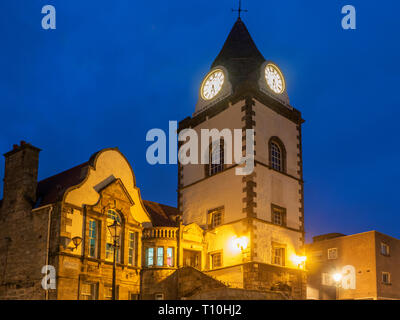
337 277
115 231
298 260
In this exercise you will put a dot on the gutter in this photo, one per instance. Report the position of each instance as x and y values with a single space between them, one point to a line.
48 245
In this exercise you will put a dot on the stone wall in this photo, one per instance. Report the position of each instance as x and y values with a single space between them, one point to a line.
23 253
176 284
264 277
237 294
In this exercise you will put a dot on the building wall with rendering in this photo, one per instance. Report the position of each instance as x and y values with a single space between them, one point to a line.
361 251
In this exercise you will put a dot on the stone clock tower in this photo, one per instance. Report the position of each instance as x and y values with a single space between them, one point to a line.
253 224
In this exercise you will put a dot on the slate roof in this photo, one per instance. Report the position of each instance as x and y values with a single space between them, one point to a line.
161 214
240 55
52 189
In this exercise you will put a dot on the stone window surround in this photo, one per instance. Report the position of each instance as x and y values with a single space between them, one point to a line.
211 212
275 246
274 209
97 238
94 290
101 218
388 277
387 249
214 253
155 248
275 140
208 167
330 256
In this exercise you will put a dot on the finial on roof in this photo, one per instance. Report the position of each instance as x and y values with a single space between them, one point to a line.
239 10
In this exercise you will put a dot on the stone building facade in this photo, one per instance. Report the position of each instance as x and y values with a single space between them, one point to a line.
266 206
64 225
238 234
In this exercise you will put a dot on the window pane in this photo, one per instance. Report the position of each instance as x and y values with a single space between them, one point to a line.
114 216
107 292
93 238
131 248
160 256
111 217
216 218
88 291
384 249
279 256
332 253
150 256
276 157
110 253
216 158
170 257
216 260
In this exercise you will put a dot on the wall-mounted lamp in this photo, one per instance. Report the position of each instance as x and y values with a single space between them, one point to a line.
298 260
337 277
76 241
240 244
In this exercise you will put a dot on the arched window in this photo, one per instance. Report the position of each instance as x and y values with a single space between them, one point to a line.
277 154
216 158
112 216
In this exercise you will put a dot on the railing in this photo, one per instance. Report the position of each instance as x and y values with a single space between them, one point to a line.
160 232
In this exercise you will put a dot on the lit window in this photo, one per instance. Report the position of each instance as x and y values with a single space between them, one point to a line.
216 260
111 217
276 157
131 248
150 256
93 239
385 249
332 253
279 256
88 291
160 256
170 257
386 277
215 217
216 158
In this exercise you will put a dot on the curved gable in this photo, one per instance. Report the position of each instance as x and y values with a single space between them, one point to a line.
105 166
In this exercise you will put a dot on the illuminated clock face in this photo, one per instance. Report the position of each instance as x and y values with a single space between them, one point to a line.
274 78
212 84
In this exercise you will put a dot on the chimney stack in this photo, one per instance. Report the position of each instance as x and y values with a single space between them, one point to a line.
20 179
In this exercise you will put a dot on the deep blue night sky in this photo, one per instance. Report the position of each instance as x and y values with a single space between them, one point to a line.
112 70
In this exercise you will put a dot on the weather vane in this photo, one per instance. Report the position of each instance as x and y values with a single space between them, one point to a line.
240 8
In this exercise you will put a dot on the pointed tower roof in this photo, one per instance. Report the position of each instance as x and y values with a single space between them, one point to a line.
239 54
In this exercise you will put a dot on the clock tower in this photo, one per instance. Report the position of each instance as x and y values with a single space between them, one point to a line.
253 224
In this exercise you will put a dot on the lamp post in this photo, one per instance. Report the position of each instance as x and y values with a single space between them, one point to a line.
115 231
337 277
